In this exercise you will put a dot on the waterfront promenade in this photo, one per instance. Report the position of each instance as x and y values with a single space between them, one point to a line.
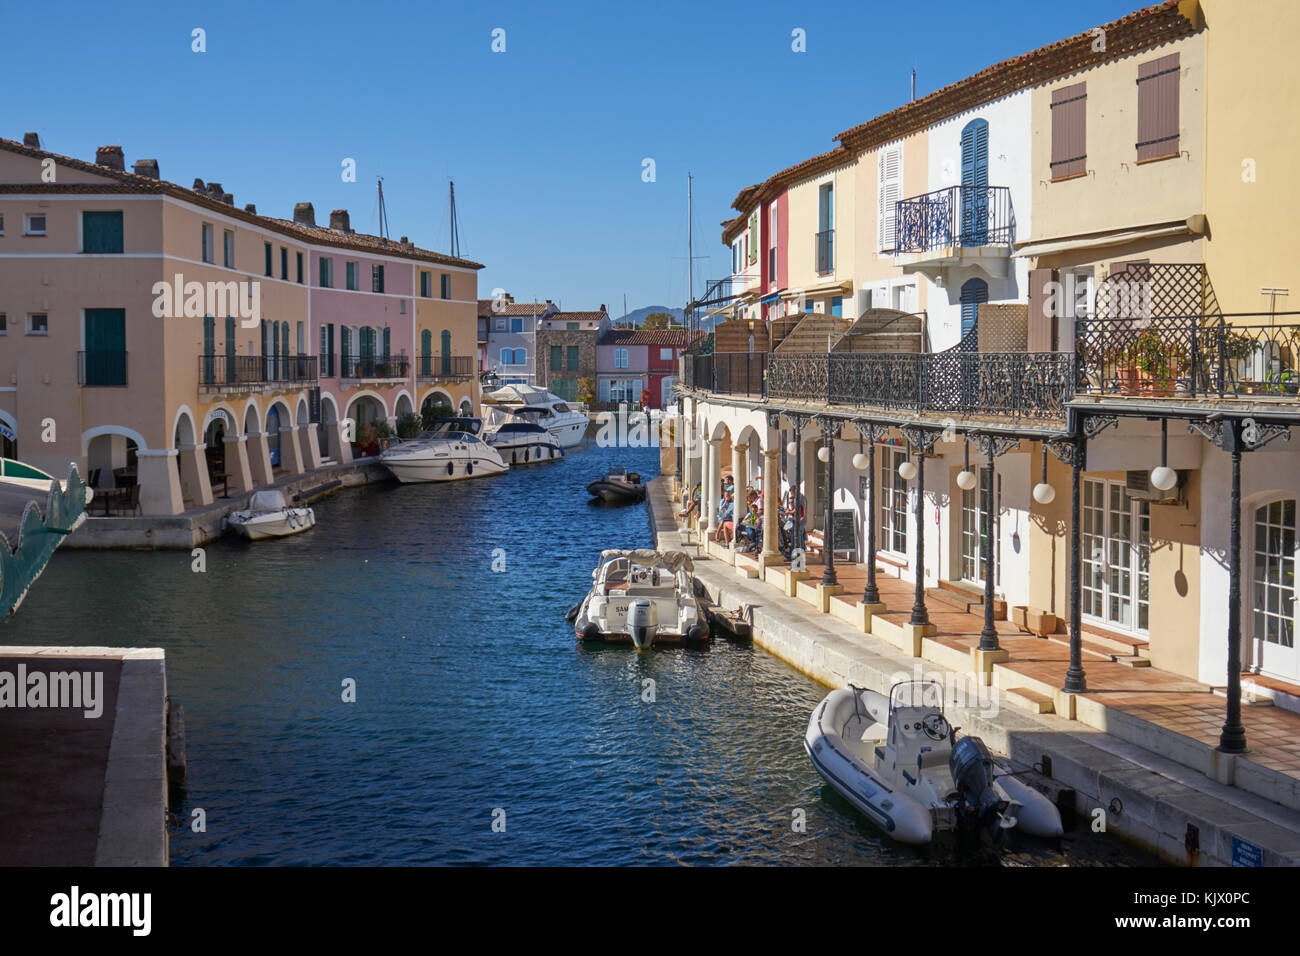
80 788
1139 746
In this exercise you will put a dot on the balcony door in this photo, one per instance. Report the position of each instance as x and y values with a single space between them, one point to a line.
446 352
1273 590
105 334
975 183
1116 556
975 535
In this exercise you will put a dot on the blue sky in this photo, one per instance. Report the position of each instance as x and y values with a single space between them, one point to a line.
544 141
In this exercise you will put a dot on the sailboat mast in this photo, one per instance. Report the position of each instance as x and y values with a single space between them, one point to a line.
383 213
690 258
455 228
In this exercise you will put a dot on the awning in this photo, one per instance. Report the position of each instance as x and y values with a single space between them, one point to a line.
36 514
844 286
1098 240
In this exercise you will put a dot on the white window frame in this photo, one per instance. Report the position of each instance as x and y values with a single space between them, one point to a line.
1282 661
893 491
1102 554
27 223
31 329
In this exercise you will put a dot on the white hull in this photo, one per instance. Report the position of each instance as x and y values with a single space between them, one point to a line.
568 433
442 459
446 469
273 525
640 605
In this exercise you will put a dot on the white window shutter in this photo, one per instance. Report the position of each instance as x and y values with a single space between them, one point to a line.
890 191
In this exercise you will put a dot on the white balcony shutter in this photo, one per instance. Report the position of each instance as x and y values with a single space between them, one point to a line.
890 191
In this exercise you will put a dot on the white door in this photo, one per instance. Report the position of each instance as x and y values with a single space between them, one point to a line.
1272 617
1116 557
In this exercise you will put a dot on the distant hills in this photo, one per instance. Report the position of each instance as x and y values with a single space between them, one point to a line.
637 316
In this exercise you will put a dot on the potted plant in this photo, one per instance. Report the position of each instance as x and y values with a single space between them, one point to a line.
1158 361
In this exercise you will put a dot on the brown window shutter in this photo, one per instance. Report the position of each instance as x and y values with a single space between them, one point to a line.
1157 83
1069 129
1042 313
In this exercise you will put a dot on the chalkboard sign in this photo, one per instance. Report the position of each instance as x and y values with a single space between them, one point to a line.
846 532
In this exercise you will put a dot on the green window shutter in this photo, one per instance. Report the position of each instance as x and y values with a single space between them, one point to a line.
209 348
105 358
426 352
300 268
101 232
284 263
267 247
324 273
387 343
446 286
230 348
573 358
753 236
557 358
446 352
345 348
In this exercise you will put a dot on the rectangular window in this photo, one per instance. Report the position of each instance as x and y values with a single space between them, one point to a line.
376 278
350 276
837 305
267 257
299 268
516 325
1116 555
101 232
665 355
426 284
326 273
2 224
446 286
893 501
34 224
1069 128
206 252
752 240
572 356
38 323
501 325
284 263
889 192
228 249
571 326
557 358
1157 132
4 324
604 390
1273 606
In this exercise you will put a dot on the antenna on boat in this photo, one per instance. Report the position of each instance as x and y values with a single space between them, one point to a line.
383 211
455 226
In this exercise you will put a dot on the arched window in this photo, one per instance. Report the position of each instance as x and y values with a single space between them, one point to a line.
1273 607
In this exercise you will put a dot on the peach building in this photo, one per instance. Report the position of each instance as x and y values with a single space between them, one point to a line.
176 346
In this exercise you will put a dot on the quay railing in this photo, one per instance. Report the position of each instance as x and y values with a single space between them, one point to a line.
1035 385
446 367
1219 356
956 216
234 371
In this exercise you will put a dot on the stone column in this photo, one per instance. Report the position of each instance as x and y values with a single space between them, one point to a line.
259 459
193 474
160 482
310 449
241 474
290 451
340 441
771 504
712 483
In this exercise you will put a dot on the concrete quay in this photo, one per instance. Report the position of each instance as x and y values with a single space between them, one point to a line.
1140 792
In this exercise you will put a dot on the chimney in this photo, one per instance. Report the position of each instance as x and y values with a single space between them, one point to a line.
198 186
304 213
146 167
228 198
215 191
110 157
32 140
251 207
340 221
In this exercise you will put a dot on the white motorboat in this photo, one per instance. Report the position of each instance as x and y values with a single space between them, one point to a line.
547 409
618 486
641 597
900 763
449 452
268 515
524 443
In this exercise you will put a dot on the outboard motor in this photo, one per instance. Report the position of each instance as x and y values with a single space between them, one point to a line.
972 772
641 622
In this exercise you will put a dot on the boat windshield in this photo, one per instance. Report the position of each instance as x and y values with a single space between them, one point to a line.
560 407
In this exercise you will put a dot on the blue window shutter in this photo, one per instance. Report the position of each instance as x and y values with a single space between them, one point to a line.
973 293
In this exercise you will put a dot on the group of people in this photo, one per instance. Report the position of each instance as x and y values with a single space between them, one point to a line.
746 529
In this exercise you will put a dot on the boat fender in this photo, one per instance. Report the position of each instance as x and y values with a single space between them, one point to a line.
698 631
449 468
591 632
469 468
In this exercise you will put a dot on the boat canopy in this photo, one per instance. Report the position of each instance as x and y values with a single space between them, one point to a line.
36 513
648 557
265 502
520 395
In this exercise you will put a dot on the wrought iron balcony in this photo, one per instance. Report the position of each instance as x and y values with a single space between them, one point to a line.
1219 356
375 367
102 368
255 371
1018 385
824 251
956 216
447 367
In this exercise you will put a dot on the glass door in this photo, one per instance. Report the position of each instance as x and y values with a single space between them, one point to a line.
1116 556
1273 591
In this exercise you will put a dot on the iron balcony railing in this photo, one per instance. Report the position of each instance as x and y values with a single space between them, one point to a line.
375 366
1245 354
102 368
237 371
824 251
448 367
956 216
1004 384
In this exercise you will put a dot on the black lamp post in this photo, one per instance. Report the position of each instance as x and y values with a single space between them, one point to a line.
828 429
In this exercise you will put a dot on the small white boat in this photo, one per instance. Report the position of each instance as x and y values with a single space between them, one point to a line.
450 452
524 443
618 485
900 763
269 516
641 597
547 409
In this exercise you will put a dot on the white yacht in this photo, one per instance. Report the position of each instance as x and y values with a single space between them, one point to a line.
268 515
639 597
451 451
567 424
523 443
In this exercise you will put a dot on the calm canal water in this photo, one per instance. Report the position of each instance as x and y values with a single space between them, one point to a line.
471 694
